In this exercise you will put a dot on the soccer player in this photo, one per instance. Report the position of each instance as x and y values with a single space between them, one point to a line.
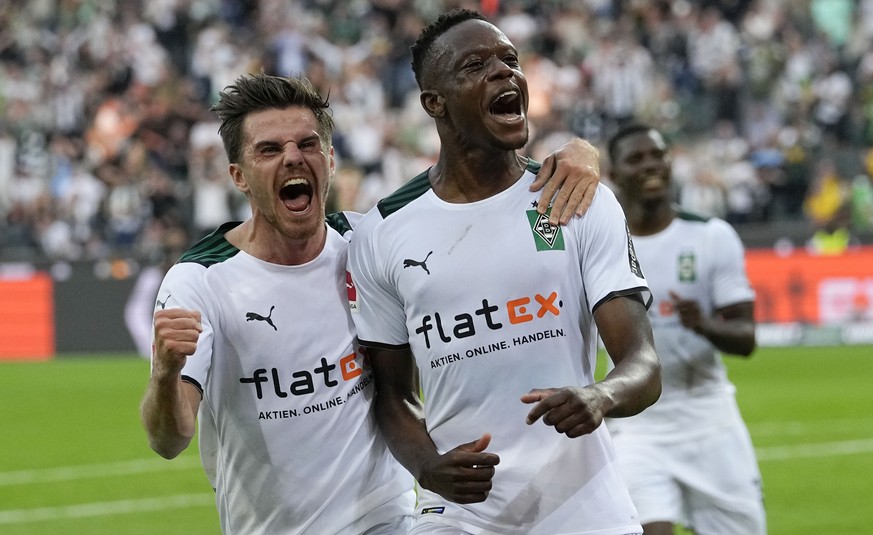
253 340
501 312
688 459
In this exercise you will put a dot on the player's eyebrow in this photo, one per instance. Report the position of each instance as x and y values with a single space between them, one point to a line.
274 143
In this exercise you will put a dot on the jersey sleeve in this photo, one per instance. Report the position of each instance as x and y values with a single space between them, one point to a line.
183 287
377 310
343 223
730 284
609 263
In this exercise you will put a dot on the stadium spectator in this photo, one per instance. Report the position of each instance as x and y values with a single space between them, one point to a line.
714 54
85 70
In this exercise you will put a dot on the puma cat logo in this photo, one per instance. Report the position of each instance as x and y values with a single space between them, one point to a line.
423 264
254 316
163 304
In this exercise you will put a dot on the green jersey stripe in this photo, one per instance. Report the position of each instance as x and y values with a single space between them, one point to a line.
213 248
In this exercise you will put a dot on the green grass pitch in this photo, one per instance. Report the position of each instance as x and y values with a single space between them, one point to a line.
74 457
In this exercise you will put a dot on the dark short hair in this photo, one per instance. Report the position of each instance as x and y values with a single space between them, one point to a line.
422 47
623 132
257 92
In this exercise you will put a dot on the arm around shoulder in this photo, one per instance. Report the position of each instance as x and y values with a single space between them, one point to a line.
573 172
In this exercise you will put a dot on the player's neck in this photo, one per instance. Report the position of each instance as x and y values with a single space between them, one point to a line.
647 219
470 186
470 176
266 243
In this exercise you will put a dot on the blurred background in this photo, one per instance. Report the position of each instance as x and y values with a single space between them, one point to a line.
111 166
110 161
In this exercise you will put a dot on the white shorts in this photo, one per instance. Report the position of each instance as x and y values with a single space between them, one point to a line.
711 483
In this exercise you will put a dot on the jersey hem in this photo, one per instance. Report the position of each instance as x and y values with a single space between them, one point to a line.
636 292
197 385
381 345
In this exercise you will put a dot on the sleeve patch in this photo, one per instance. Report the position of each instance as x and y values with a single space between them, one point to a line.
634 264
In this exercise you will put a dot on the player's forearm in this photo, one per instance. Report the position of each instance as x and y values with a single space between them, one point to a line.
730 336
635 381
167 415
633 385
402 424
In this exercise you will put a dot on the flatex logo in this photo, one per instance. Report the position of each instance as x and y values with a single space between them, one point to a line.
547 237
304 381
514 311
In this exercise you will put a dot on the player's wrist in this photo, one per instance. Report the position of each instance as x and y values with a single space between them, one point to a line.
166 373
703 328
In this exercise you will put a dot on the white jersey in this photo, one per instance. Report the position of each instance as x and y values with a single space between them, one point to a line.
700 260
287 435
495 302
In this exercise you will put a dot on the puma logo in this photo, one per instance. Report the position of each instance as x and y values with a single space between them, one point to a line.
254 316
423 264
163 304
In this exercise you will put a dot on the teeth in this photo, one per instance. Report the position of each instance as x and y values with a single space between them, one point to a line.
294 182
506 94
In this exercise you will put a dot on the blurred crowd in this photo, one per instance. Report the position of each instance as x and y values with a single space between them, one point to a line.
108 148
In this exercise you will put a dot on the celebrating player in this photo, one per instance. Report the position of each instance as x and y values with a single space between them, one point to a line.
501 312
254 342
688 459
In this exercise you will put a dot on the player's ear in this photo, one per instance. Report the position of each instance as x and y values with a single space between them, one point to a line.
331 171
239 179
433 103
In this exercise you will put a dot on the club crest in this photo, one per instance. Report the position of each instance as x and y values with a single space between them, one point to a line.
547 237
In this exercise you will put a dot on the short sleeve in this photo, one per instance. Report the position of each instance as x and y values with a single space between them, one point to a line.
183 287
730 284
377 310
609 263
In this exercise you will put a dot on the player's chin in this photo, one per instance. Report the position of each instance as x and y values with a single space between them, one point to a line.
513 142
304 226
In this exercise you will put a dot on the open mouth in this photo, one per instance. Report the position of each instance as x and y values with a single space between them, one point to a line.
651 182
296 194
507 105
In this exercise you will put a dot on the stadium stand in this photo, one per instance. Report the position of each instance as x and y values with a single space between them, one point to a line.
107 146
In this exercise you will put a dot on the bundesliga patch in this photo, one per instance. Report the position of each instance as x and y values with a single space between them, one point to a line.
352 292
547 237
